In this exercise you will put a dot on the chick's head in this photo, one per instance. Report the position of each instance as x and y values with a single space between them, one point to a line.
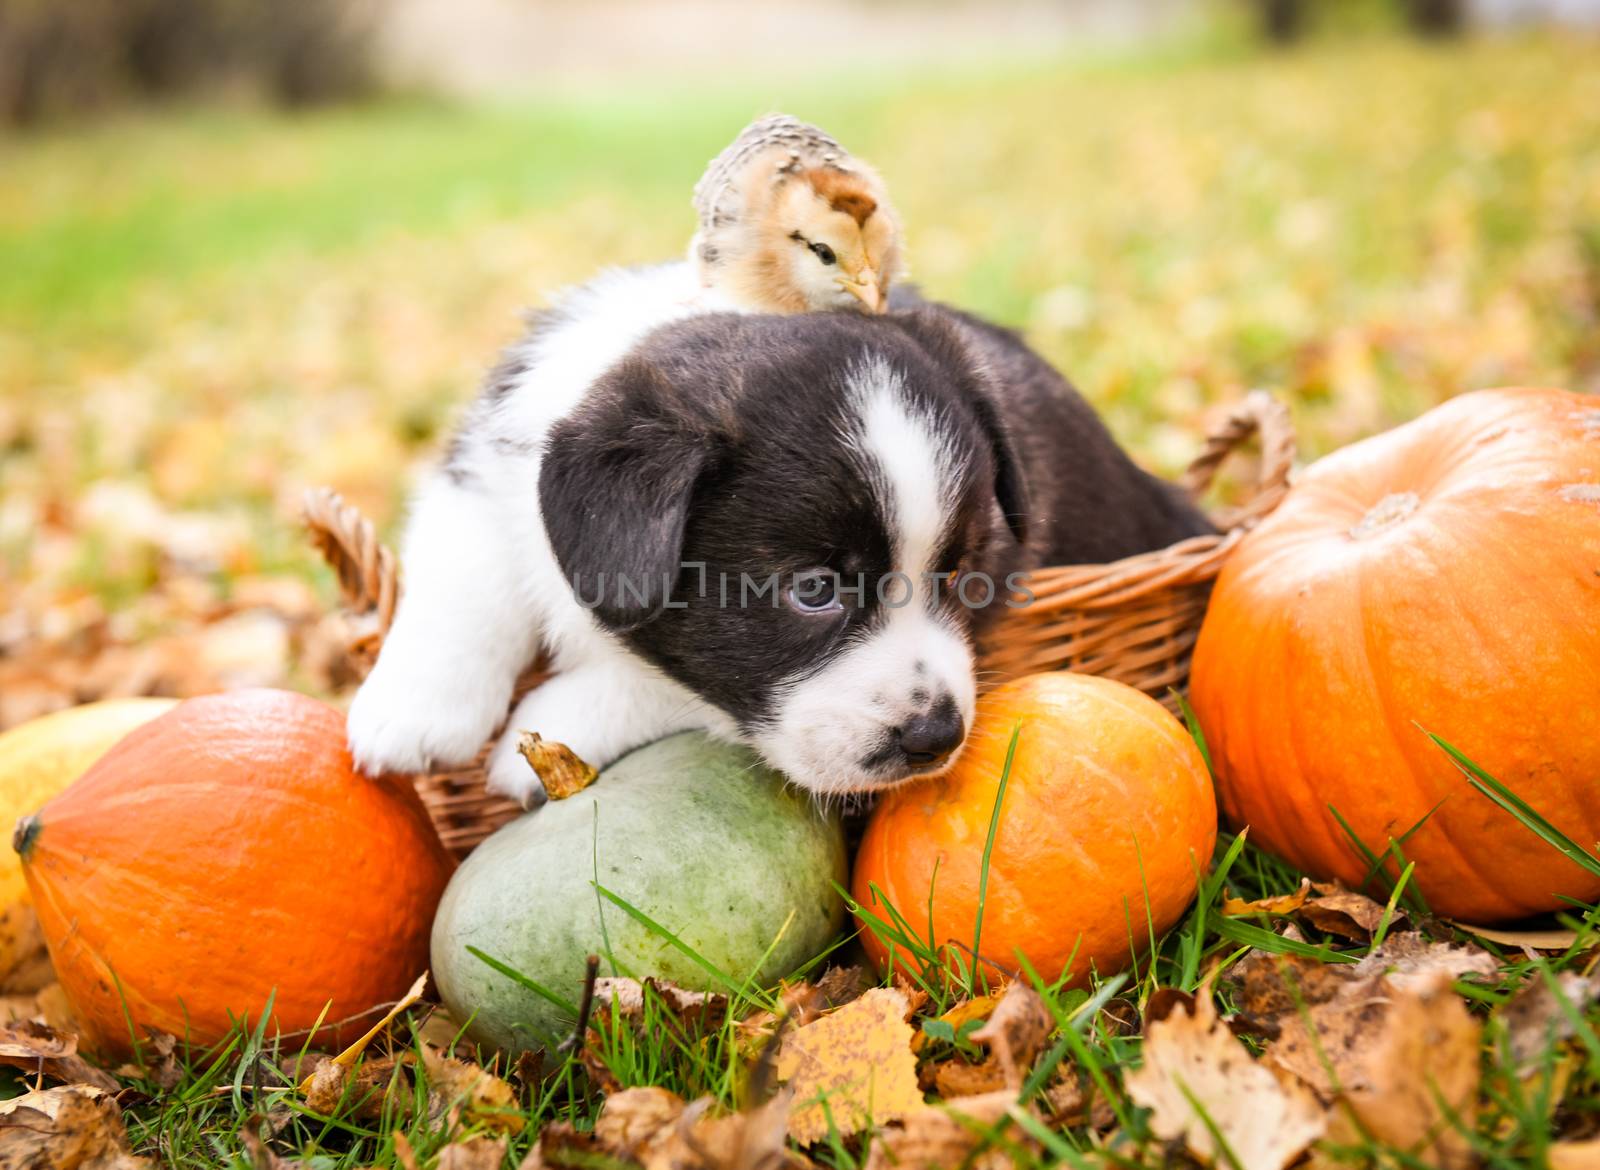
822 239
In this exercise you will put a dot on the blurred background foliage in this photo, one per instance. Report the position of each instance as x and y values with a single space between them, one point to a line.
209 301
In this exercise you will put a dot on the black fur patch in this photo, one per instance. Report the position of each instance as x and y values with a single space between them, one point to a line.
721 442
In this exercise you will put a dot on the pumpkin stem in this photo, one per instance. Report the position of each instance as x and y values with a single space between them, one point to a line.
1386 513
25 834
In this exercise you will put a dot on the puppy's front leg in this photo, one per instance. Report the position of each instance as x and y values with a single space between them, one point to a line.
600 709
445 675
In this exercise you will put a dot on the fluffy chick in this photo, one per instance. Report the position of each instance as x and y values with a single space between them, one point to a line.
790 222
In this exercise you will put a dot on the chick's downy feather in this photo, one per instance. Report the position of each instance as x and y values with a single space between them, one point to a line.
791 222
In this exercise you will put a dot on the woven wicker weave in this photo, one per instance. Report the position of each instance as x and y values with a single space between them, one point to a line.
1134 620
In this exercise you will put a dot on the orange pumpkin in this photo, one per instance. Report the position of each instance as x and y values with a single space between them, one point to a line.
1108 810
1442 577
224 853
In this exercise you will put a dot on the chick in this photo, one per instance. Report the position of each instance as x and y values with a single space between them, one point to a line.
790 222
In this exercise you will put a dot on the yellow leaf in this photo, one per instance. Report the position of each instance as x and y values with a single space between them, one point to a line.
853 1066
349 1055
1278 904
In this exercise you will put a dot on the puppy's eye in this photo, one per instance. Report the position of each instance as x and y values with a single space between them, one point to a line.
824 253
814 591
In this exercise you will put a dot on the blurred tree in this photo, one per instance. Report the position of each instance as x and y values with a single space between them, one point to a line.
1282 21
60 57
1438 18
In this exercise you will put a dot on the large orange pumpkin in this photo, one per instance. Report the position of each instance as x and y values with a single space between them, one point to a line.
224 853
1443 577
1108 810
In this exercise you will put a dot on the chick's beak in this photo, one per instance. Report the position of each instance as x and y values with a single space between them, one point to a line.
865 289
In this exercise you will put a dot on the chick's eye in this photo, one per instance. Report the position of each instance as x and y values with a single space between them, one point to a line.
814 591
824 253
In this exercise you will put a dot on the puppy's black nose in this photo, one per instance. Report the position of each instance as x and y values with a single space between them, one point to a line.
927 739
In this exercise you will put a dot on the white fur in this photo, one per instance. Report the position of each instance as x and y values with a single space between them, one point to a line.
483 590
829 720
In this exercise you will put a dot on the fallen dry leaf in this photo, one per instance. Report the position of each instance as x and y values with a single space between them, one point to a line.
1584 1155
558 767
24 960
938 1137
977 1008
1413 958
1415 1084
362 1092
1193 1063
461 1090
476 1153
350 1055
853 1066
1534 1019
39 1049
70 1127
1336 910
657 1130
161 1066
839 985
626 998
1016 1032
1399 1049
1277 904
1555 939
957 1078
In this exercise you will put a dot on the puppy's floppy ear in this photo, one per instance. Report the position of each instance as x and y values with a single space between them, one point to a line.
933 328
614 489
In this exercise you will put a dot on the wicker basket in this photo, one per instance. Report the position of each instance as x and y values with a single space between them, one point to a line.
1134 620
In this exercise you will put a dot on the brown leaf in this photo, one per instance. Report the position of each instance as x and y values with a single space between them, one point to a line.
656 1130
1276 904
1413 958
71 1127
1584 1155
856 1059
1193 1063
631 1118
1417 1071
361 1092
39 1049
626 999
1399 1050
24 960
839 985
459 1089
941 1136
1557 939
559 769
476 1153
1016 1032
1336 910
1534 1019
957 1078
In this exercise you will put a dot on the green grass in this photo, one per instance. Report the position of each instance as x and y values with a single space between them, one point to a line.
1525 1103
219 308
216 309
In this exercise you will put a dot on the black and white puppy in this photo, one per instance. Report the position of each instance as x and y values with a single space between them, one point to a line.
785 530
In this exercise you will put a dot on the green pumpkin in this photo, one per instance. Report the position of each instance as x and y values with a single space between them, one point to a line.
697 835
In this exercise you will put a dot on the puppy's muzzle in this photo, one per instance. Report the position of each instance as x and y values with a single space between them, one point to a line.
927 740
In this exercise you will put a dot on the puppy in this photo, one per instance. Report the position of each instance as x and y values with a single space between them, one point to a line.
786 531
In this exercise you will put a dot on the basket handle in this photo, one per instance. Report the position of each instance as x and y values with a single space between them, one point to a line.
369 579
1257 414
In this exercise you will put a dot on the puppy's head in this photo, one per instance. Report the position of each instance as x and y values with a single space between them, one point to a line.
803 520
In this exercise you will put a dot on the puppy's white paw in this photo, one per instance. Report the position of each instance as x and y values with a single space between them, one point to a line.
510 775
402 723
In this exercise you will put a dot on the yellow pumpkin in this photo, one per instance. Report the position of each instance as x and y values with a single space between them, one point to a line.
38 759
